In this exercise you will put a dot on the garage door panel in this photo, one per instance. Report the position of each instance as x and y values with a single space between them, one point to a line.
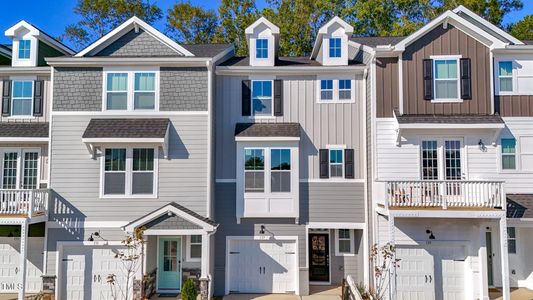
10 264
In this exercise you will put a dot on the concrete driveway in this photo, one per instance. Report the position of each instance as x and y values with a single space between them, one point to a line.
315 293
516 294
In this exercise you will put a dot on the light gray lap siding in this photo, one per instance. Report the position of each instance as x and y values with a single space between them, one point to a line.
183 89
137 44
77 89
76 177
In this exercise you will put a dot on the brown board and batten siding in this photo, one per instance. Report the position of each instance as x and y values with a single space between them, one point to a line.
515 105
387 92
450 41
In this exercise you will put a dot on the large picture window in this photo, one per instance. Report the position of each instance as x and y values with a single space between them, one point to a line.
446 79
131 90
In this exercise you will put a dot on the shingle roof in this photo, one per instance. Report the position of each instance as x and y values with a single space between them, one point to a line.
39 130
206 50
373 41
528 42
127 128
289 61
519 205
267 130
450 119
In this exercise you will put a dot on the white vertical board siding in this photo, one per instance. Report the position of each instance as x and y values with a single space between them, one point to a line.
76 177
322 124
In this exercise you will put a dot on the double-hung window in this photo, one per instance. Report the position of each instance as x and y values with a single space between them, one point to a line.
131 90
446 79
508 154
194 249
336 163
345 242
22 98
326 89
511 240
261 48
254 170
335 47
24 49
505 76
280 171
262 91
129 171
345 89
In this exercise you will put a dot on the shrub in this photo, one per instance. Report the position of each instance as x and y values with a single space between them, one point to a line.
189 292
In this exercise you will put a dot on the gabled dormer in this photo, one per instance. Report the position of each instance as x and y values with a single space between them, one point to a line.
31 45
331 44
263 42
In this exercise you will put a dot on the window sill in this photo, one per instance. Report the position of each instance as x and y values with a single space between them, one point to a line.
21 118
344 254
261 117
513 94
446 100
195 260
128 197
320 101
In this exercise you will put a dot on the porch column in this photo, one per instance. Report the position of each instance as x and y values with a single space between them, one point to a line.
483 271
204 276
392 278
23 256
505 258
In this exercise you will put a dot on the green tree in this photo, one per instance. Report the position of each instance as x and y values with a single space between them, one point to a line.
191 24
235 16
97 17
523 29
492 10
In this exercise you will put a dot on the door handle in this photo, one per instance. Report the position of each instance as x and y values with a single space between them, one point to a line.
264 270
430 279
426 278
259 270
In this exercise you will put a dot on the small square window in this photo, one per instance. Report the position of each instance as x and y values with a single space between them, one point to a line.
24 49
511 240
335 47
261 48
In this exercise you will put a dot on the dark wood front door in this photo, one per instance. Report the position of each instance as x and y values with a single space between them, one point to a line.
319 257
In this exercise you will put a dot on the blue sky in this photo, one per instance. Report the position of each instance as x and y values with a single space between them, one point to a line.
53 15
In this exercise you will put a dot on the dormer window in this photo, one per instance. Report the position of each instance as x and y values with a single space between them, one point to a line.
335 47
261 48
24 49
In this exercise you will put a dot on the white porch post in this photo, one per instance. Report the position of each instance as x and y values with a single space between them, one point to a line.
505 258
205 256
23 256
483 271
392 278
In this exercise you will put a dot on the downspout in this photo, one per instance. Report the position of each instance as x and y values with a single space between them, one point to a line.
209 65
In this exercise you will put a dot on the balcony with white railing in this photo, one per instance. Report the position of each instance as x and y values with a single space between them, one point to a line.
23 203
444 194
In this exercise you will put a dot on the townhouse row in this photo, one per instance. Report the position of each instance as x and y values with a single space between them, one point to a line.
268 174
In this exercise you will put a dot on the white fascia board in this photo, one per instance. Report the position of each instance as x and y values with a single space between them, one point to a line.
276 70
123 140
444 213
335 225
123 28
457 21
451 126
165 210
267 139
25 70
474 16
127 61
23 139
11 32
250 29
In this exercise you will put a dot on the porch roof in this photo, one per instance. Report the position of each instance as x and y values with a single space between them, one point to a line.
488 121
14 131
251 131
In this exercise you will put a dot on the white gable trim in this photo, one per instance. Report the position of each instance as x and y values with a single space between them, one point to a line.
474 16
10 32
124 28
165 210
250 29
461 24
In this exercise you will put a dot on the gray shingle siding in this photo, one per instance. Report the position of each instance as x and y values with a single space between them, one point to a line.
137 44
173 222
183 89
77 89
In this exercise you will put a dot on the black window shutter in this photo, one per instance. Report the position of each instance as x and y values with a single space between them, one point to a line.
323 157
246 98
428 79
278 98
38 88
349 165
466 79
6 98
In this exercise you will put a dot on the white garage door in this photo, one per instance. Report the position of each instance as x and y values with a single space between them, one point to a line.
430 272
257 266
10 264
84 271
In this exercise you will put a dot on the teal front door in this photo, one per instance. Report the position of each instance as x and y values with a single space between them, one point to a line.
169 271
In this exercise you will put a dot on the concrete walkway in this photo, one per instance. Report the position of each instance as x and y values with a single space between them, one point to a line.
315 293
516 294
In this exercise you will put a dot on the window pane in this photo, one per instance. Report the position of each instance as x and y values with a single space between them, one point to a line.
143 159
31 166
196 239
326 95
343 95
506 84
262 97
511 246
505 68
117 81
326 84
430 170
144 100
196 251
511 232
336 171
280 181
254 159
115 159
445 69
344 233
508 145
261 48
280 159
345 84
508 162
145 81
254 181
446 89
9 178
335 156
117 101
142 183
24 49
115 183
344 246
22 107
22 89
335 47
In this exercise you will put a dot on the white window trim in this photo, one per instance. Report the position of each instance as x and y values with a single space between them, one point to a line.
457 58
335 88
267 48
512 76
352 243
129 173
267 152
11 116
188 249
336 147
20 165
131 88
252 112
441 163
